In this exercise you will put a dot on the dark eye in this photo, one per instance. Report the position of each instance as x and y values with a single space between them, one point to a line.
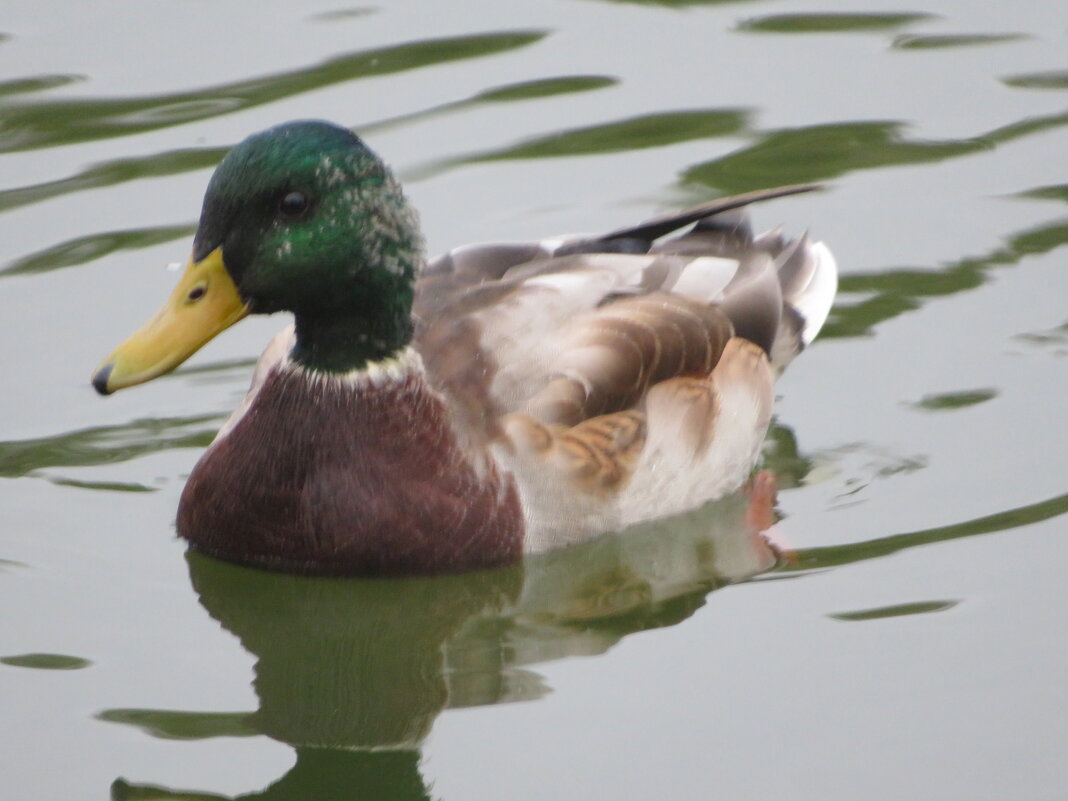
196 293
293 204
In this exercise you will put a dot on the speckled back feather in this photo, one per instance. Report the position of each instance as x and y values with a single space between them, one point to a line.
622 377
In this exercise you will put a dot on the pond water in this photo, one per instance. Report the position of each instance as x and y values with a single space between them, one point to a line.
911 648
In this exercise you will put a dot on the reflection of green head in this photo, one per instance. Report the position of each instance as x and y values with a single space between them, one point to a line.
347 663
311 221
320 774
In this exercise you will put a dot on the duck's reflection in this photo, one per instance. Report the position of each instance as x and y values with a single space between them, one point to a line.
353 673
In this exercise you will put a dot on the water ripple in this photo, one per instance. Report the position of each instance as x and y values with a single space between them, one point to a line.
344 14
173 725
897 610
820 152
38 83
911 41
46 661
830 22
172 162
890 293
25 126
1057 79
1051 192
680 4
634 133
950 401
84 249
106 444
1019 517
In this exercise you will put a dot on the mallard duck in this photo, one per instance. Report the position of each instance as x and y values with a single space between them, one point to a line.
500 400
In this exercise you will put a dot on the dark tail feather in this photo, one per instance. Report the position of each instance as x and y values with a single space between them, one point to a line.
660 226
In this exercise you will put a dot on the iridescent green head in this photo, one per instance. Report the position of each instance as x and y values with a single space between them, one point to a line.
304 218
310 221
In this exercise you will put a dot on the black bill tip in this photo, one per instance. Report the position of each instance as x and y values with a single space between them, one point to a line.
100 380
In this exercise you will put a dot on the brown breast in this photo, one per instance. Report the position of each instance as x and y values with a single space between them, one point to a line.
334 477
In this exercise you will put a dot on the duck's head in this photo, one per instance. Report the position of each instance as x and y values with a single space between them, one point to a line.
302 218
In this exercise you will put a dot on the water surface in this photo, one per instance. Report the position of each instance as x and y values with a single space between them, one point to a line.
911 647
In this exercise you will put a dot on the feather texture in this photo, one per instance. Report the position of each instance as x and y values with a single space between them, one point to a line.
615 379
503 398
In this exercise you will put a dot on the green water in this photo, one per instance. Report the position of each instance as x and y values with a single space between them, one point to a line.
912 647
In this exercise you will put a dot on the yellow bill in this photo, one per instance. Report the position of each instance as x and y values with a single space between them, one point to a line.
204 303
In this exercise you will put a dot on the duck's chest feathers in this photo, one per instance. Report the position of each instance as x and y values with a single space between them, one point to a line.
363 476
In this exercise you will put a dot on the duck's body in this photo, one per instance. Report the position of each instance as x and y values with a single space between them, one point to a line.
521 397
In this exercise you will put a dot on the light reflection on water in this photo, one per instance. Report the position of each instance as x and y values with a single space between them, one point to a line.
917 445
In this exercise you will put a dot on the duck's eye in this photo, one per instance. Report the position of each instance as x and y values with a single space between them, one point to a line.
196 293
293 204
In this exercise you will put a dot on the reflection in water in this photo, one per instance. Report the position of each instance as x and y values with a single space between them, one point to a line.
46 661
106 444
492 631
820 152
897 610
353 673
173 162
1021 516
113 172
344 14
782 456
88 248
887 294
1052 192
318 775
39 83
941 41
830 22
635 133
1053 338
949 401
680 3
505 93
1057 79
61 122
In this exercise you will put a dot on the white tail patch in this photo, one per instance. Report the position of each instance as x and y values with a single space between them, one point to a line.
815 300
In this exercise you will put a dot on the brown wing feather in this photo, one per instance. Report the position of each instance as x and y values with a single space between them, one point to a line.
689 439
614 355
597 455
572 330
693 402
